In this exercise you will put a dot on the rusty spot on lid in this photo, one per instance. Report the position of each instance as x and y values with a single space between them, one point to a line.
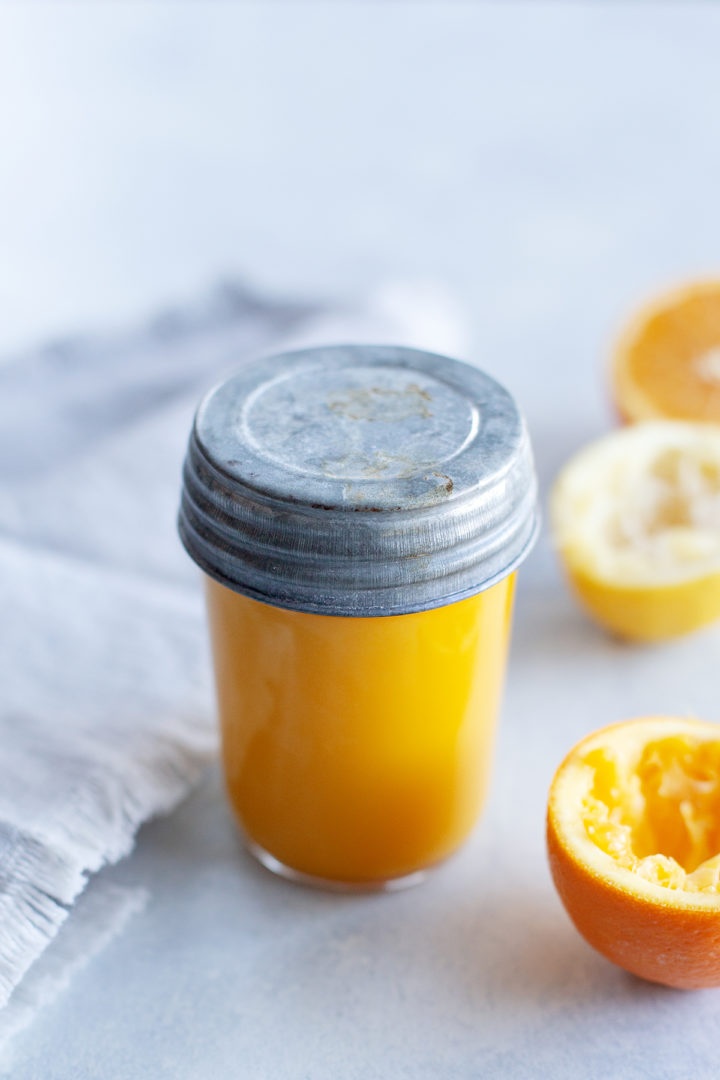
381 403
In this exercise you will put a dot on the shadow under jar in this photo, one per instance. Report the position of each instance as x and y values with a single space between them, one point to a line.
359 513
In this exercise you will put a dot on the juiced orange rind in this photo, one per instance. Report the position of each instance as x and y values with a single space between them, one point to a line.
633 833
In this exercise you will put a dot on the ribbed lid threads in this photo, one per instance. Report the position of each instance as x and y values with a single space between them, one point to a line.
358 480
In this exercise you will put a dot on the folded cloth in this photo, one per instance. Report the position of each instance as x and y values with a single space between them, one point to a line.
105 715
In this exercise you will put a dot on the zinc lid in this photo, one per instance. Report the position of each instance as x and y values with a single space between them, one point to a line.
358 480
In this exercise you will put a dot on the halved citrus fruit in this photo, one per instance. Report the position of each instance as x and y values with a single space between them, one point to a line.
636 520
633 833
667 363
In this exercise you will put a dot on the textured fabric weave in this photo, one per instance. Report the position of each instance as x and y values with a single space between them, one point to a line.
105 712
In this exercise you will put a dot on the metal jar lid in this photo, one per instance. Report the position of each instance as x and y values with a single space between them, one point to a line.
358 480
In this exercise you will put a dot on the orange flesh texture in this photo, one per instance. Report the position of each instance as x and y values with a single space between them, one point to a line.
358 749
672 359
663 820
647 892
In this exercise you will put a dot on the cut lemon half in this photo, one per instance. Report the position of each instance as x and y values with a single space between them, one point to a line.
636 521
667 363
633 832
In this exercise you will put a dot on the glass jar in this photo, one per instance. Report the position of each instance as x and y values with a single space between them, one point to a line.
359 513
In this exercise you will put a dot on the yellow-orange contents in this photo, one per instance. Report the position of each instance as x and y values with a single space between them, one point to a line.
358 749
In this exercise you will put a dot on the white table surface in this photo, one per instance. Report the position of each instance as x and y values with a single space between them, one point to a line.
551 164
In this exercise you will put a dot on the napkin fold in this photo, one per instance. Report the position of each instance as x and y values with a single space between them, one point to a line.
105 721
106 707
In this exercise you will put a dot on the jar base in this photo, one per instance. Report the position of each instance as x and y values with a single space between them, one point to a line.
407 881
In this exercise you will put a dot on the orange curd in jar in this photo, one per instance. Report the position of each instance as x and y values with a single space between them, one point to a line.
359 513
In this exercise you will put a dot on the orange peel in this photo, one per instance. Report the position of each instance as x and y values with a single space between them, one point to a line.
633 834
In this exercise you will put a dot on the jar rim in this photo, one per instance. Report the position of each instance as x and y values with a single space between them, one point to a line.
358 480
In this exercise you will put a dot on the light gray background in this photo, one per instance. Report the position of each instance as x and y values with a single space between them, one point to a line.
553 164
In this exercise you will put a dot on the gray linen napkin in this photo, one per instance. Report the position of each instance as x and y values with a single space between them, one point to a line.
105 710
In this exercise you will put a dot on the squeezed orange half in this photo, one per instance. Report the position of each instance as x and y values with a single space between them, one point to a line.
667 362
633 832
